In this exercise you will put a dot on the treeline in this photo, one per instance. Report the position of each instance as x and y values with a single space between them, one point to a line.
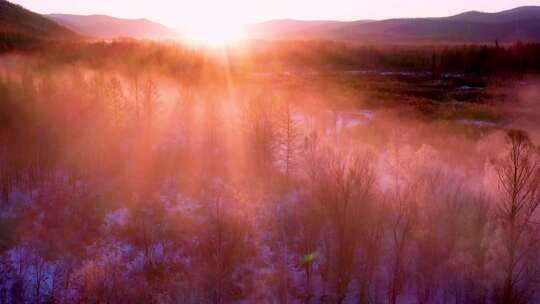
132 185
497 60
507 60
11 41
516 59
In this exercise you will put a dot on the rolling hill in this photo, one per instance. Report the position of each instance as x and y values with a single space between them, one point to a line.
107 27
519 24
18 21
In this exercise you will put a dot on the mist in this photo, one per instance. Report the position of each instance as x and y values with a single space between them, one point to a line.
164 173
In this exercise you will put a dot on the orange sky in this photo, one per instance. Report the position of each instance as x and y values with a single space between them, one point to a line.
181 14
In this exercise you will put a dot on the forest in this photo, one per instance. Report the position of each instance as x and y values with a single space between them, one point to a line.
311 172
509 60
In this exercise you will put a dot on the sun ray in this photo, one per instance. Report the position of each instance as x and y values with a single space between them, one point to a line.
212 35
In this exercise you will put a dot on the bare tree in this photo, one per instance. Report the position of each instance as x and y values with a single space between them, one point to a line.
403 218
472 278
310 213
40 275
344 188
116 98
259 126
185 111
289 137
519 184
136 94
371 249
150 100
309 228
224 247
5 174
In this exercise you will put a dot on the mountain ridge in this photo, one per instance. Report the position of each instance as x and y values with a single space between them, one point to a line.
17 20
516 24
108 27
508 26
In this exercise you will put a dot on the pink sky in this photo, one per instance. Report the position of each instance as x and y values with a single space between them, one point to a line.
182 13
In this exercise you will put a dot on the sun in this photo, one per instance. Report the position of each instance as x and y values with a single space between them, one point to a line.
215 34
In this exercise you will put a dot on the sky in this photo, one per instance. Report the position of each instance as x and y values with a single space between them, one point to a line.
182 13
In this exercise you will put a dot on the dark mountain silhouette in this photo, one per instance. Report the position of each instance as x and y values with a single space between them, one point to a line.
514 15
519 24
18 21
107 27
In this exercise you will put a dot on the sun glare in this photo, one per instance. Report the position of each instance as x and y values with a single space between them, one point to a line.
215 35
